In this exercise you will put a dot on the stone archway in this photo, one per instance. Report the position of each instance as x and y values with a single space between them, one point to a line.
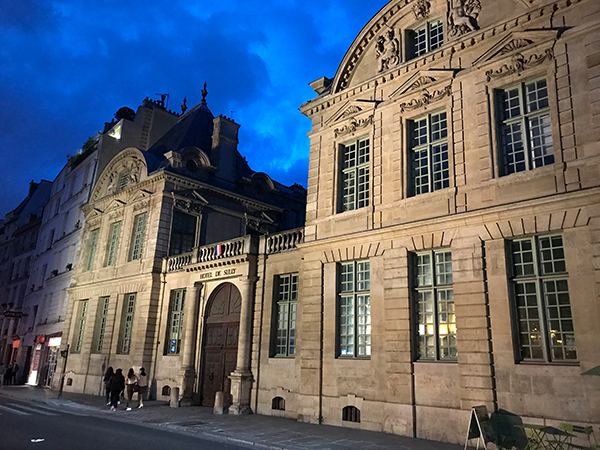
220 342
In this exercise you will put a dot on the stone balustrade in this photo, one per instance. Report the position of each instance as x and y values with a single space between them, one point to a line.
208 253
281 242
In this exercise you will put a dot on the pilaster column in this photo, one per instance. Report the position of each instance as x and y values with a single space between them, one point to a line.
190 334
241 378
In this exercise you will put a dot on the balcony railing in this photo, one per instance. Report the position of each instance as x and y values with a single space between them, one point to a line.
288 240
212 252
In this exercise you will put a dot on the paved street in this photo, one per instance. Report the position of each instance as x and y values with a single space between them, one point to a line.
85 416
26 425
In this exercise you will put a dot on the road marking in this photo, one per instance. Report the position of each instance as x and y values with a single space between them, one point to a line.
35 410
15 411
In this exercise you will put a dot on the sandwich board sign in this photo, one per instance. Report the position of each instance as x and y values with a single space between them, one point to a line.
480 427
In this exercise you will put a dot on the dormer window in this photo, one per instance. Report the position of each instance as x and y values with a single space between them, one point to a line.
123 180
425 38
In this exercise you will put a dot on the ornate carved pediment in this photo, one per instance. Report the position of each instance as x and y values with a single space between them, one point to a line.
425 98
423 79
144 204
517 42
125 169
351 109
190 201
115 215
353 125
115 204
520 63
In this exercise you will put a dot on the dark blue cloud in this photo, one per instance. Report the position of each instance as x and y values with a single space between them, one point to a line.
66 67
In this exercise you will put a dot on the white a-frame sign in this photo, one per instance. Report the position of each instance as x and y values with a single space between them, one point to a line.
480 427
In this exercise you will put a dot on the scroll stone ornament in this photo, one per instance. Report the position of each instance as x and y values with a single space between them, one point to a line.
421 9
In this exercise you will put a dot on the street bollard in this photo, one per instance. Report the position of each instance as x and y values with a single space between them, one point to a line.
218 408
174 403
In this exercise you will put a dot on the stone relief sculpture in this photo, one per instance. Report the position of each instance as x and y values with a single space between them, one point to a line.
463 17
421 9
112 182
388 50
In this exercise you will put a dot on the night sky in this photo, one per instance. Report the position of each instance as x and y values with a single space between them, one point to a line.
67 66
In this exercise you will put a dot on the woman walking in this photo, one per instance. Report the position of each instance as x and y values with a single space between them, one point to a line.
143 384
117 384
130 382
107 376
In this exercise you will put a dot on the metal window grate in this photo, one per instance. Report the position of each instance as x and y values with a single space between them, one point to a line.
278 403
351 414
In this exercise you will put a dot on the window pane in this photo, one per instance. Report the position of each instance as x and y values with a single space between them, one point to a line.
139 230
113 243
560 321
354 304
91 254
287 294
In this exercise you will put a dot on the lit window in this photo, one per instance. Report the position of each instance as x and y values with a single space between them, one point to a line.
541 299
286 311
91 253
113 243
434 306
426 38
354 309
429 153
355 175
175 323
525 127
137 241
127 323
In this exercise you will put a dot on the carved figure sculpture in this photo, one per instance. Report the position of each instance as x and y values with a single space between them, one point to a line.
112 182
463 18
388 50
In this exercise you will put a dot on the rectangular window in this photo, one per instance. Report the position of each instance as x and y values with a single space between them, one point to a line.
426 38
354 309
103 303
525 127
123 181
80 327
286 311
183 233
434 306
127 323
175 323
113 244
429 153
355 175
91 253
137 240
541 299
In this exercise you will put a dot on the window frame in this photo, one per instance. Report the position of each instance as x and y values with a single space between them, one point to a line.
101 320
178 236
342 307
137 237
287 298
113 243
428 146
360 191
82 311
127 323
91 249
523 119
175 331
538 279
434 288
412 35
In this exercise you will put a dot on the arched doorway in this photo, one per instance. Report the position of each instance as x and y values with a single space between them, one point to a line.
220 341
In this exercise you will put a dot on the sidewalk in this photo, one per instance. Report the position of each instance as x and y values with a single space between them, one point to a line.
254 430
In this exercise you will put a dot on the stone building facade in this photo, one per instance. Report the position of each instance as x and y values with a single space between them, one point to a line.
452 235
449 256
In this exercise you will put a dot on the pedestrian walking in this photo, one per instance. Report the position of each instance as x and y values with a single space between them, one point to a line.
107 376
15 369
8 375
130 382
143 385
2 372
117 384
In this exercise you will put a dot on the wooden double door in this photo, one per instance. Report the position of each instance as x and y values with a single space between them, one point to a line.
220 342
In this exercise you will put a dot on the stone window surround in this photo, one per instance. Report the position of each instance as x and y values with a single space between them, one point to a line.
285 298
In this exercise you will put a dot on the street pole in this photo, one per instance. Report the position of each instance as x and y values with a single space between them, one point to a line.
65 355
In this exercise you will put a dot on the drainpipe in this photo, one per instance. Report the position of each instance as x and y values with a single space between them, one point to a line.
321 325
